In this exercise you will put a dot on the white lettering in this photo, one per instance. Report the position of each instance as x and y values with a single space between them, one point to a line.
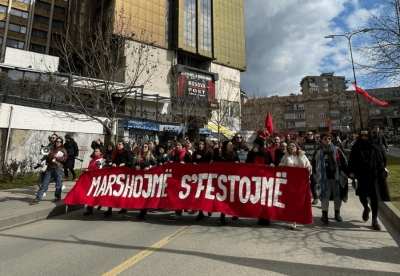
244 182
210 189
120 182
200 186
256 197
222 187
95 183
233 179
277 193
137 191
267 185
183 195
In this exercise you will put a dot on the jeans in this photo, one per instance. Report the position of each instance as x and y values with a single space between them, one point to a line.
48 175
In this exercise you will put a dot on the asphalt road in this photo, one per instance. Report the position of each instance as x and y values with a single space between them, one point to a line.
72 244
394 151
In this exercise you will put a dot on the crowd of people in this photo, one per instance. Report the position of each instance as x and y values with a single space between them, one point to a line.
361 158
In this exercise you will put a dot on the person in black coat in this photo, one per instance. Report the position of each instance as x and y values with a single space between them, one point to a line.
259 155
203 154
367 165
227 155
161 156
121 157
72 150
279 153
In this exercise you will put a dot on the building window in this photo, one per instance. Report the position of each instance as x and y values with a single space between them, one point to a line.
167 21
321 106
15 43
299 107
310 106
39 33
299 115
1 40
37 48
17 28
41 19
205 26
58 9
324 124
24 1
19 13
57 23
322 115
2 24
311 125
289 116
326 89
3 9
311 115
189 23
43 5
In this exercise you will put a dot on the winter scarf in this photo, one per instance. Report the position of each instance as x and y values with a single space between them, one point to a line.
320 171
180 153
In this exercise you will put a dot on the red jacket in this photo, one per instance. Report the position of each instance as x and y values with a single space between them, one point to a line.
95 163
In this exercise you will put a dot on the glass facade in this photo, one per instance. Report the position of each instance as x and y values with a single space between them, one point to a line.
189 23
206 26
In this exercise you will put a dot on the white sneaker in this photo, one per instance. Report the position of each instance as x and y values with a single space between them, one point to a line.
292 226
63 187
44 194
177 217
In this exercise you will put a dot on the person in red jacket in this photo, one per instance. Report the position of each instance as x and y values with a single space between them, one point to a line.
94 164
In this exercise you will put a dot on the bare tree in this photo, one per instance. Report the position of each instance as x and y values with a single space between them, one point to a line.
382 50
103 63
256 108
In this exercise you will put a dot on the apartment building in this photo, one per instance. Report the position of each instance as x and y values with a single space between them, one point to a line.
32 25
324 83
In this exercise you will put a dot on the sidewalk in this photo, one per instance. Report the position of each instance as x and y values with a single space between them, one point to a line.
15 208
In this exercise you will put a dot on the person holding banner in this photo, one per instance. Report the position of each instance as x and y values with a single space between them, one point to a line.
239 144
94 164
329 165
309 146
161 155
227 155
295 157
143 161
279 153
203 154
259 155
179 154
121 157
367 165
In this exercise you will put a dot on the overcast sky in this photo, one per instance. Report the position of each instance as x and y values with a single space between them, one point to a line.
285 41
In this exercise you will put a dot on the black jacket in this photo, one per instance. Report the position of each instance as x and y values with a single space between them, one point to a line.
72 149
206 156
124 158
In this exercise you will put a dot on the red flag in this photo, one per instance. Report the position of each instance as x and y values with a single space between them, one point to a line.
329 125
268 123
368 97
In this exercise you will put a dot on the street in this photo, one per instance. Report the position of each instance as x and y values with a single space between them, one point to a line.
73 244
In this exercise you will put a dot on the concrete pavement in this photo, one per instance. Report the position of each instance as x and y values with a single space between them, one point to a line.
15 208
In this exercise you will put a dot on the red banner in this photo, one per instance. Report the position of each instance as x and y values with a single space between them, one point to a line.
244 190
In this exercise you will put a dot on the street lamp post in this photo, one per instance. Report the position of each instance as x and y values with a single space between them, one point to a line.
348 36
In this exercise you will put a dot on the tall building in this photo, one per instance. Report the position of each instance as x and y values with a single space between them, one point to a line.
325 83
198 45
202 50
32 25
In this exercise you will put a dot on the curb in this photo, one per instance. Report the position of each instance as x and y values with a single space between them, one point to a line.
11 222
391 212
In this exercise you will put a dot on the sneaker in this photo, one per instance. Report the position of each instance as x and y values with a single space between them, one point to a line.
122 211
56 199
63 187
235 218
375 225
292 226
98 208
107 213
177 217
44 194
87 213
191 212
315 201
209 214
34 202
264 222
65 179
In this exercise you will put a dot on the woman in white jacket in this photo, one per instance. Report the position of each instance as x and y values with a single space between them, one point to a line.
295 157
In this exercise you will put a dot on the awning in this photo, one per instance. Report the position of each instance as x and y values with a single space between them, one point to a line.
222 129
